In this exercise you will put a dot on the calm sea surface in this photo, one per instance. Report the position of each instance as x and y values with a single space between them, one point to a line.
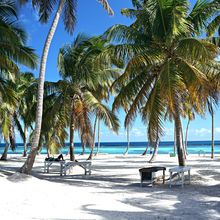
135 148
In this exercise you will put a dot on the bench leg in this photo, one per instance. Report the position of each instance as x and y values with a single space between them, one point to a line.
152 179
182 179
170 179
189 176
48 167
163 176
141 183
44 166
61 169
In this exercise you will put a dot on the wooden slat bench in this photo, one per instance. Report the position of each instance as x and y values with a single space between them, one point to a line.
64 166
180 170
86 165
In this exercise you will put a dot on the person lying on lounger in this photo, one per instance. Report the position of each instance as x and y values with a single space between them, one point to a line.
59 158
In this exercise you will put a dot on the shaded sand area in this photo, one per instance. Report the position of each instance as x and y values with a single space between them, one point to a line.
111 192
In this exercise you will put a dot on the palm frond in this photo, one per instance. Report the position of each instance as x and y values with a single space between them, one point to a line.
106 6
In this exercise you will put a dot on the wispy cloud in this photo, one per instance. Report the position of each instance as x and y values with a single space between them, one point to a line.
217 130
201 132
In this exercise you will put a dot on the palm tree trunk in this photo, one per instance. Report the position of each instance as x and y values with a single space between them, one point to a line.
94 134
72 128
183 143
128 141
186 136
179 137
5 153
145 152
213 141
27 167
174 144
25 141
98 147
83 148
156 145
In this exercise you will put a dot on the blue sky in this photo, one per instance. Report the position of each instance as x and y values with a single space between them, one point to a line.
93 20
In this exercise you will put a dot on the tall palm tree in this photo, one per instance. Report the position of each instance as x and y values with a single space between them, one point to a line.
164 62
87 76
102 113
210 96
99 97
45 9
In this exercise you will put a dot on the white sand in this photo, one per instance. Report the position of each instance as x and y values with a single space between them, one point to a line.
111 192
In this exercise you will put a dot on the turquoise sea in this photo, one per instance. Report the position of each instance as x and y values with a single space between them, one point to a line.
135 148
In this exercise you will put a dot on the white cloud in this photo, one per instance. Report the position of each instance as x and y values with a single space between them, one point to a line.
136 132
169 131
201 132
217 130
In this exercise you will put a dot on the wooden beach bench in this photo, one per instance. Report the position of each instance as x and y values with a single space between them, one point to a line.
179 170
64 166
149 173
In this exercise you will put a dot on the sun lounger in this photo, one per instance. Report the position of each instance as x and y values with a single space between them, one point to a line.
86 165
64 166
148 174
179 170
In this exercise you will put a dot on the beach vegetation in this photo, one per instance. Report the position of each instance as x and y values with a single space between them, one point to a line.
45 9
167 62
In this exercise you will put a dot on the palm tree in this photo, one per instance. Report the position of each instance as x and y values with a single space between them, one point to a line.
212 99
12 52
86 75
98 98
7 131
26 87
45 9
164 62
102 113
12 41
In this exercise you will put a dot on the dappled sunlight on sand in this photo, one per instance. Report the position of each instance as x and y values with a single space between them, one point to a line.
111 192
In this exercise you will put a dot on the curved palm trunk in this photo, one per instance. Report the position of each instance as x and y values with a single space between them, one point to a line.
25 141
48 153
145 152
98 146
128 141
71 149
5 153
213 141
186 136
94 134
179 138
183 143
155 151
27 167
174 144
83 148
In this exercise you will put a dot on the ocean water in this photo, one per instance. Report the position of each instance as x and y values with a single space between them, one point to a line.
135 148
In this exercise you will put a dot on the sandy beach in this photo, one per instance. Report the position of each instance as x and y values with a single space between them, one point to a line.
112 191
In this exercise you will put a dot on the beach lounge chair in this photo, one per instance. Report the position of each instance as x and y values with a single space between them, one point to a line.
148 174
65 166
